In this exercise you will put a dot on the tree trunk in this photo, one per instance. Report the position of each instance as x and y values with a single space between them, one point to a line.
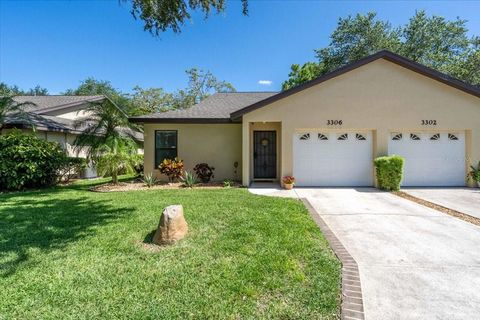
114 177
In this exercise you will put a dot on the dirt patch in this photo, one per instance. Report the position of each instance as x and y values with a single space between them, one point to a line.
453 213
137 185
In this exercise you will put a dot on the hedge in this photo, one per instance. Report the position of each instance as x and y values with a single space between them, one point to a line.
389 172
29 162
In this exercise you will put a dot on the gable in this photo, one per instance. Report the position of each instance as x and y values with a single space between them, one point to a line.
384 56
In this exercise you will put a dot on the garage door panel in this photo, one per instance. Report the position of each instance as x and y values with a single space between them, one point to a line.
342 160
437 159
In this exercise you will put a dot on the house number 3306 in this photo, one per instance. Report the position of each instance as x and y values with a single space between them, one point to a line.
334 122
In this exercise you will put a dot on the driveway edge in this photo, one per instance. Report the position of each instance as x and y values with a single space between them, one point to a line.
352 298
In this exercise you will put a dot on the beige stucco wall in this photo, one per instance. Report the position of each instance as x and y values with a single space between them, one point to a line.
380 96
219 145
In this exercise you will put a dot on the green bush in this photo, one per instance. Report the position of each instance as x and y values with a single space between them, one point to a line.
72 168
29 162
389 172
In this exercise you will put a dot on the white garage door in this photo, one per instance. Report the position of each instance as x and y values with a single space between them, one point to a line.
333 159
431 159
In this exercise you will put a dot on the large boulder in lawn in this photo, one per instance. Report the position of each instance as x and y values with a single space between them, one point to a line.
172 226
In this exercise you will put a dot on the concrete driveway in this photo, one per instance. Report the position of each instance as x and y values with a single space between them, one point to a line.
465 200
414 262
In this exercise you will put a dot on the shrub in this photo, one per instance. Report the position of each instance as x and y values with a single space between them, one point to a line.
227 183
149 180
138 164
389 172
172 168
189 179
204 172
72 167
475 173
29 162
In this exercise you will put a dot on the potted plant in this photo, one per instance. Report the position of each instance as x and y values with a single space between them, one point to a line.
288 182
475 174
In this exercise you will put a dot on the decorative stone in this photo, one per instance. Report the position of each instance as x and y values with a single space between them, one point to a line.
172 226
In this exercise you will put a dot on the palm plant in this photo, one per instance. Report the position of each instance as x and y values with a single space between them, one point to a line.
8 106
105 123
115 156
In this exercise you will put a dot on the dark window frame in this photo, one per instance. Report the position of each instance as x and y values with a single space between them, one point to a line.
156 163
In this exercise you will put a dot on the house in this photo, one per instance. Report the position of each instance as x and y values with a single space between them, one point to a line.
327 132
53 118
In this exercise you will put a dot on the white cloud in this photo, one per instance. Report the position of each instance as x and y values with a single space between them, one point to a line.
265 82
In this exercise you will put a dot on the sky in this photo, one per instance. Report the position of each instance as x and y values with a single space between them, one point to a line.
56 44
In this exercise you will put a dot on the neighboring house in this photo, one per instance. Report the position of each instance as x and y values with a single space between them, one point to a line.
327 132
53 118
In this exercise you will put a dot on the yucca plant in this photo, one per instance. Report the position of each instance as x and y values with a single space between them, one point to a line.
189 179
149 180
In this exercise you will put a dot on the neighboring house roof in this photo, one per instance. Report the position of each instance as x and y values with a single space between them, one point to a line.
229 107
385 54
45 104
215 108
36 115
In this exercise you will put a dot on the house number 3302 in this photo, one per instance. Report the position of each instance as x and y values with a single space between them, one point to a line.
429 122
334 122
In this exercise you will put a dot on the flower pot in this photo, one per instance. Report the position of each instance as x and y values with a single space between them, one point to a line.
288 186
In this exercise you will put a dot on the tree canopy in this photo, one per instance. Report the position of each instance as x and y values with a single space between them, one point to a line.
6 90
161 15
430 40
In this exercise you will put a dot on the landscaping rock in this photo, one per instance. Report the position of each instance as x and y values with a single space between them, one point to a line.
172 226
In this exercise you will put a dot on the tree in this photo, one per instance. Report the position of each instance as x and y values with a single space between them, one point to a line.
150 100
116 156
92 86
8 106
6 90
105 124
161 15
201 84
432 41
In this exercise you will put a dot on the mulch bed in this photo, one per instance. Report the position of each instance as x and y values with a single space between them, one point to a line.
453 213
138 185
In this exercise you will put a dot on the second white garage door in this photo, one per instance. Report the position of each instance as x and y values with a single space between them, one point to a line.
431 159
333 159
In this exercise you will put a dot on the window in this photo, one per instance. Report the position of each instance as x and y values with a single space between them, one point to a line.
414 137
451 136
435 137
343 137
165 145
360 137
321 136
397 137
305 136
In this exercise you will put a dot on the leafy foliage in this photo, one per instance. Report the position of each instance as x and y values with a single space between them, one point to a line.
159 15
102 127
6 90
204 172
475 173
72 167
172 168
138 161
432 41
149 180
389 172
29 162
189 179
115 156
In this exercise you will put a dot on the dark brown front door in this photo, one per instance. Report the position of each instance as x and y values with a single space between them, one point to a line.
264 154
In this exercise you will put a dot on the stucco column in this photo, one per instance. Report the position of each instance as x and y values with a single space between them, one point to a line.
246 153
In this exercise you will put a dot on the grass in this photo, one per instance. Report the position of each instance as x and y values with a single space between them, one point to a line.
68 253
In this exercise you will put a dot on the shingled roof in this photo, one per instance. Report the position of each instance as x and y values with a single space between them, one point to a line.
42 104
216 108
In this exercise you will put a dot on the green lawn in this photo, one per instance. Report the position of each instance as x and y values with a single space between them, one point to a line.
68 253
